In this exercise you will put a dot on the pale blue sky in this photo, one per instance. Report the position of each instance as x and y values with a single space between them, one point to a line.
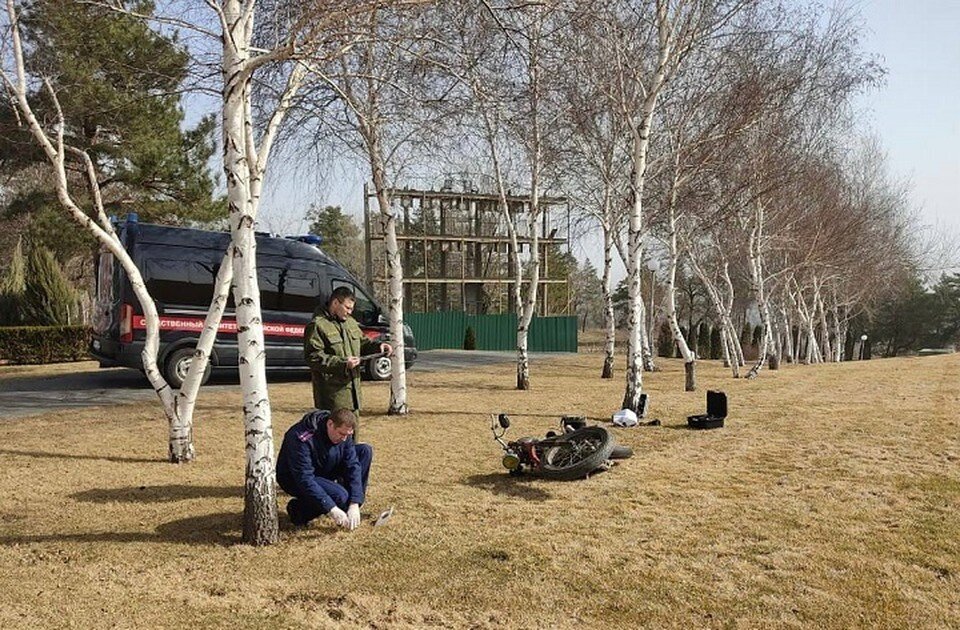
917 113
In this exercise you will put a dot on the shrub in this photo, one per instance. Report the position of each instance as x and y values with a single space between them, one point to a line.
703 341
716 345
49 299
665 344
44 344
470 339
12 287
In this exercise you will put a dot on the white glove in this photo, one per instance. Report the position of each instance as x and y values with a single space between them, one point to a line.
339 516
353 516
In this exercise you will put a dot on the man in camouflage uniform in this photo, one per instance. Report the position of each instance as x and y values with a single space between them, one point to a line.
332 346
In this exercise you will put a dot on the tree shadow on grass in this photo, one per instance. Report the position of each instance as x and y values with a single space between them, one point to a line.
504 484
493 387
106 458
157 494
683 426
486 414
220 530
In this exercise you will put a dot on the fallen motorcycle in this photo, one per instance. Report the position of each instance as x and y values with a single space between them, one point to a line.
574 454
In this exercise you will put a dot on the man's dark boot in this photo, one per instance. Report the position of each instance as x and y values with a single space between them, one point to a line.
293 511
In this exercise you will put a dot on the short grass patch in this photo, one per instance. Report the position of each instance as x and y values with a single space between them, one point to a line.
830 499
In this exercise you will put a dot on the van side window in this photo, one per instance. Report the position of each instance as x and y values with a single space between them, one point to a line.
300 291
176 282
365 311
288 289
270 280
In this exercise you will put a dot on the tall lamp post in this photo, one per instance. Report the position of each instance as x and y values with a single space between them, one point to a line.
863 343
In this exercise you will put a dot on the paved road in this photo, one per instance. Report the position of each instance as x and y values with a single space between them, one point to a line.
26 396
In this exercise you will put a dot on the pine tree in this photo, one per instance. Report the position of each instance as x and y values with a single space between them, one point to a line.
703 341
666 346
49 299
118 82
12 288
716 346
340 234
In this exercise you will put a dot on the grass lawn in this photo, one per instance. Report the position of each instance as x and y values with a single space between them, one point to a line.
830 499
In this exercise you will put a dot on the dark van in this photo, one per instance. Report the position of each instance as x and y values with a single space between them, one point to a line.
179 266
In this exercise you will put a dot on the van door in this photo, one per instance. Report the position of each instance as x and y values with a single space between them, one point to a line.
288 295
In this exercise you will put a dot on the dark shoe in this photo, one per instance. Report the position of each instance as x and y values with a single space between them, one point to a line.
293 511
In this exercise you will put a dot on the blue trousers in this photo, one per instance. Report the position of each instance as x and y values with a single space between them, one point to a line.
310 508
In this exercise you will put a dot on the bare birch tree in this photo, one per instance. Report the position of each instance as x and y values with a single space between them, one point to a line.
376 87
595 163
178 406
504 64
245 156
645 44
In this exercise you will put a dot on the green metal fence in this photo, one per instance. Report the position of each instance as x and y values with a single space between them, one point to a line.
493 332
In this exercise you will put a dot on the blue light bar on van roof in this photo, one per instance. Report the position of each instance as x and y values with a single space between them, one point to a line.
309 239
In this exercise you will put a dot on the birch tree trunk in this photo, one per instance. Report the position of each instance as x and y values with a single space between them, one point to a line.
722 309
244 167
634 384
825 350
181 440
641 128
508 219
535 159
788 331
609 320
526 316
840 322
388 220
689 359
757 280
725 347
812 344
646 341
733 335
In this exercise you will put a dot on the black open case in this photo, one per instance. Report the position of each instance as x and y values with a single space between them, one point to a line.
716 412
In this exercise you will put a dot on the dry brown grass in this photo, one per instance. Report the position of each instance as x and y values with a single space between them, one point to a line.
830 499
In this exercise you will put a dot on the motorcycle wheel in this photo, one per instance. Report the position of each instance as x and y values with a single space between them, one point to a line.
575 455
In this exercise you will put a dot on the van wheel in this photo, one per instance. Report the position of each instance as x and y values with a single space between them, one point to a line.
380 369
175 369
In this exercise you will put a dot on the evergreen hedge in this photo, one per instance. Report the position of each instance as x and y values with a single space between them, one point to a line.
469 339
44 344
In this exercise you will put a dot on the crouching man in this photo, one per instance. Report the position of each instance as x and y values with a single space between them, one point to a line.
323 470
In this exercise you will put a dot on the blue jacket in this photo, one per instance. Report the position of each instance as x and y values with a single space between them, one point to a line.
308 453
